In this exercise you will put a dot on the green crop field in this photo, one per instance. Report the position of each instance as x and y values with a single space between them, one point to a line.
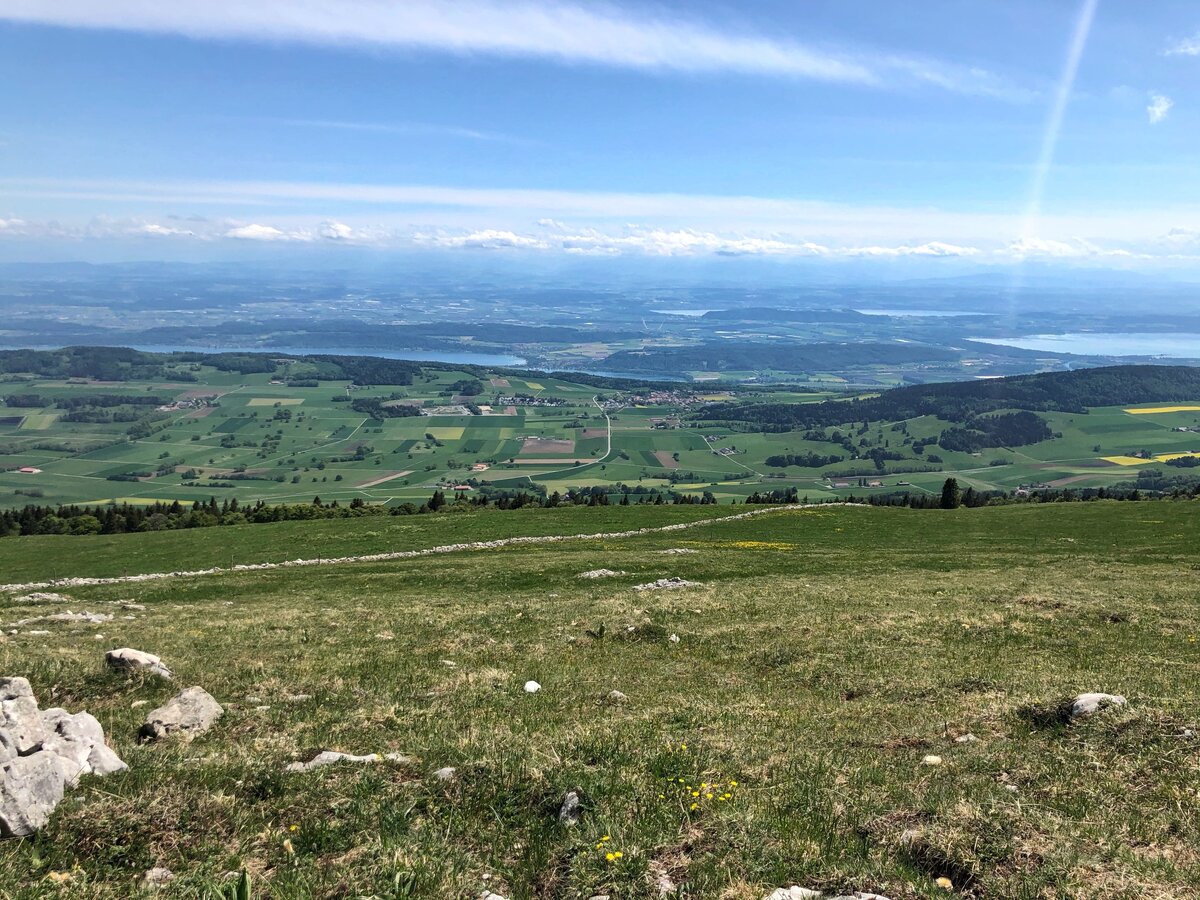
255 437
778 724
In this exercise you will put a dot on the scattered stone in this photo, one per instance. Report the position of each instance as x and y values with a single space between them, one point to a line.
157 877
130 660
191 712
792 893
662 878
944 883
571 811
600 897
297 698
1187 734
616 698
967 738
138 704
42 597
68 616
488 895
532 687
674 639
37 633
329 757
600 573
666 584
42 753
1086 704
931 760
678 551
447 773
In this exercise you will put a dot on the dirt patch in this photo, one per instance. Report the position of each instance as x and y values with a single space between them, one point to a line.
668 461
593 433
199 413
197 394
500 383
526 461
1073 479
381 479
547 445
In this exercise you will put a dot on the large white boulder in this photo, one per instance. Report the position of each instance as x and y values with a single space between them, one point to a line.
41 755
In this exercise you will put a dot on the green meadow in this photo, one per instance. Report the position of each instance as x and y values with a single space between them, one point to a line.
778 717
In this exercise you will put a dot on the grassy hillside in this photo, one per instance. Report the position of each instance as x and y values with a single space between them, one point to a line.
825 653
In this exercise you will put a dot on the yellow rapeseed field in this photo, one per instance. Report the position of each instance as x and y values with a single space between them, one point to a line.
1150 410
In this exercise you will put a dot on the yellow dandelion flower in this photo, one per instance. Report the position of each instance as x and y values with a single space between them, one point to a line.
708 796
606 838
610 856
694 806
293 828
695 793
683 746
733 784
618 854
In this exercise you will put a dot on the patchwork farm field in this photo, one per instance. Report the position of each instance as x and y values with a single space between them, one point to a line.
281 437
844 698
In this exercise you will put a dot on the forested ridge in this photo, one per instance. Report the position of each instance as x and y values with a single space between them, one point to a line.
965 402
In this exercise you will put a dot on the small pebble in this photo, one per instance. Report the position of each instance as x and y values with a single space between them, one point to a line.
532 687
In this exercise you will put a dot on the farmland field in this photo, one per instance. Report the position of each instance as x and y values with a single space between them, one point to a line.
776 723
255 437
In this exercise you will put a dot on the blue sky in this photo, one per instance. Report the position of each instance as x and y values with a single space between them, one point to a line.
790 130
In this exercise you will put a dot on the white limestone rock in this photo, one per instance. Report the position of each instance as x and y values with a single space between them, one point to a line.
191 712
129 660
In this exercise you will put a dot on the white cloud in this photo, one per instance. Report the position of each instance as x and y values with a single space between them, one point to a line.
559 30
1189 46
336 231
488 239
153 229
1075 248
1182 237
933 248
256 232
1158 108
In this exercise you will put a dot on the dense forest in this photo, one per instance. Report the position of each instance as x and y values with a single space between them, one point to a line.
963 401
726 357
119 364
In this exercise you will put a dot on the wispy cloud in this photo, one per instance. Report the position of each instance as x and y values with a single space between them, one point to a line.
562 31
410 129
1158 108
1189 46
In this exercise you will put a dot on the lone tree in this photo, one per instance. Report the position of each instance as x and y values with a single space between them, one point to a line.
951 495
